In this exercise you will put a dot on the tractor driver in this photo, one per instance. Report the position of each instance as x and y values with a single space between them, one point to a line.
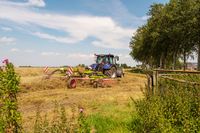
105 60
99 60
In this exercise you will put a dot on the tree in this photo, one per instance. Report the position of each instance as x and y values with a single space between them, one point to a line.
172 31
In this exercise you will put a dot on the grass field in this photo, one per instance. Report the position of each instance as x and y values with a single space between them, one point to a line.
107 109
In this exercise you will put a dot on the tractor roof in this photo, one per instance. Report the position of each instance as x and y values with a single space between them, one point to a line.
104 55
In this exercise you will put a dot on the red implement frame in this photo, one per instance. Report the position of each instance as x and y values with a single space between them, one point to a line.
72 82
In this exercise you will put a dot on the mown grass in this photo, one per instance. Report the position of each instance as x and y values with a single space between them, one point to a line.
111 118
106 109
104 124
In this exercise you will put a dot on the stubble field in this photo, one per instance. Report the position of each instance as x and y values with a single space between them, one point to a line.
107 109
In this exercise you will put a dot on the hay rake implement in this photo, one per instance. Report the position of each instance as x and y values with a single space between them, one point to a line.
75 76
102 73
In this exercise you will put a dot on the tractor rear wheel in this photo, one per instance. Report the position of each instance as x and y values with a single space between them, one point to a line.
112 73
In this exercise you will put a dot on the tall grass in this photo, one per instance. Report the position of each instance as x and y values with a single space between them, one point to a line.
60 123
174 109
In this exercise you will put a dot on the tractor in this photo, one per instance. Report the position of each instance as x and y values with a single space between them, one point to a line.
107 64
101 73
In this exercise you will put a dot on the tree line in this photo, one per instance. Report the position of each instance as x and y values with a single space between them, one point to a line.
172 32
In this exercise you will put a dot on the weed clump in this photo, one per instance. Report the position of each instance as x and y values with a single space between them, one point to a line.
60 122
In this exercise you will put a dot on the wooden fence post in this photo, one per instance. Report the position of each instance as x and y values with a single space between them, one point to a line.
155 81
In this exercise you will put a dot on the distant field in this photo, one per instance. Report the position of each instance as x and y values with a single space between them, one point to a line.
106 108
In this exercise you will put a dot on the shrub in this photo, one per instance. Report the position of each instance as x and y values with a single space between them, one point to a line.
10 119
177 109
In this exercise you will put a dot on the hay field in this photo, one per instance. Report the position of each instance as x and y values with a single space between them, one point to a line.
99 103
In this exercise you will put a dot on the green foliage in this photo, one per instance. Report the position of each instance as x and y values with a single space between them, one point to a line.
187 77
83 125
108 124
174 108
140 70
102 124
10 119
171 32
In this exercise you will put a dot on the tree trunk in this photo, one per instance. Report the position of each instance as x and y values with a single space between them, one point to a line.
164 63
161 62
198 64
174 61
184 60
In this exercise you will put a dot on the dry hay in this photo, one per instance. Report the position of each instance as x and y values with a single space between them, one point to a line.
31 71
39 83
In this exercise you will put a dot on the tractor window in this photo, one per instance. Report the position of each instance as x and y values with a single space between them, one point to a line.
114 60
99 59
111 60
106 60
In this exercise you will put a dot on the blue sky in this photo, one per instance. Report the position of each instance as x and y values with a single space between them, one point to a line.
69 32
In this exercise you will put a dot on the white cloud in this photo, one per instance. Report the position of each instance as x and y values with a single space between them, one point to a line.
28 51
7 40
6 28
72 56
14 50
124 56
107 32
51 54
38 3
80 56
145 18
55 38
21 50
28 3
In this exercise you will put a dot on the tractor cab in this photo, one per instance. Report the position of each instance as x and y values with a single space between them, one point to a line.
107 64
106 59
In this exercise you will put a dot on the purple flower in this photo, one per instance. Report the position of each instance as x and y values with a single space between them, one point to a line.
81 110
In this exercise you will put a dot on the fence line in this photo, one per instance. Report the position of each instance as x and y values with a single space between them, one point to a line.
179 80
176 71
157 74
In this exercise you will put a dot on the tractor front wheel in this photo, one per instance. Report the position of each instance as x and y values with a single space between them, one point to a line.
111 72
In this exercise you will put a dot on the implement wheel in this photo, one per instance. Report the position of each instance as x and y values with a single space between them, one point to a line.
71 83
95 84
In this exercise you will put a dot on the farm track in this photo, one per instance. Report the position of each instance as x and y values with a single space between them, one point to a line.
92 100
